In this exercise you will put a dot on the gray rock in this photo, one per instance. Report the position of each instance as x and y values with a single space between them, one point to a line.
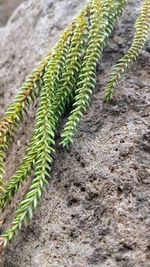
95 211
6 9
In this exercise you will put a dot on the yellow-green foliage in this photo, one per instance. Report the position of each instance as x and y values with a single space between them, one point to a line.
142 27
65 79
16 111
50 81
102 17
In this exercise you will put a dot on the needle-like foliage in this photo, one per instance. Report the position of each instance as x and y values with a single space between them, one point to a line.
57 61
16 111
142 28
102 18
68 81
65 79
44 137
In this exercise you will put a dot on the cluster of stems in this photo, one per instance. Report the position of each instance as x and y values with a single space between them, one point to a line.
65 78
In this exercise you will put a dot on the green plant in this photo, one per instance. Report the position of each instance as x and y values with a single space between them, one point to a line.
65 78
140 36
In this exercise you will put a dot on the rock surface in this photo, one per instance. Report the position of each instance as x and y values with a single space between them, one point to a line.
95 211
6 9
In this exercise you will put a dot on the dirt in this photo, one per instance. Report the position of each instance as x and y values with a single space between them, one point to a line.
95 211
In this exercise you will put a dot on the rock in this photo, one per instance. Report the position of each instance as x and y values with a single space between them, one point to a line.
6 9
95 211
145 142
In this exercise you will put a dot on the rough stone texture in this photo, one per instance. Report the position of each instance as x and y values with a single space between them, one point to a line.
95 211
6 9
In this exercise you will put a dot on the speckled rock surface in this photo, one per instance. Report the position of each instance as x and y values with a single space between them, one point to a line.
95 211
6 9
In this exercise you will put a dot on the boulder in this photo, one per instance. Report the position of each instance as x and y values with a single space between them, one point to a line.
95 210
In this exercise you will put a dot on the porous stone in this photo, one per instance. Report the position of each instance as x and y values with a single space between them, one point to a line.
95 212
